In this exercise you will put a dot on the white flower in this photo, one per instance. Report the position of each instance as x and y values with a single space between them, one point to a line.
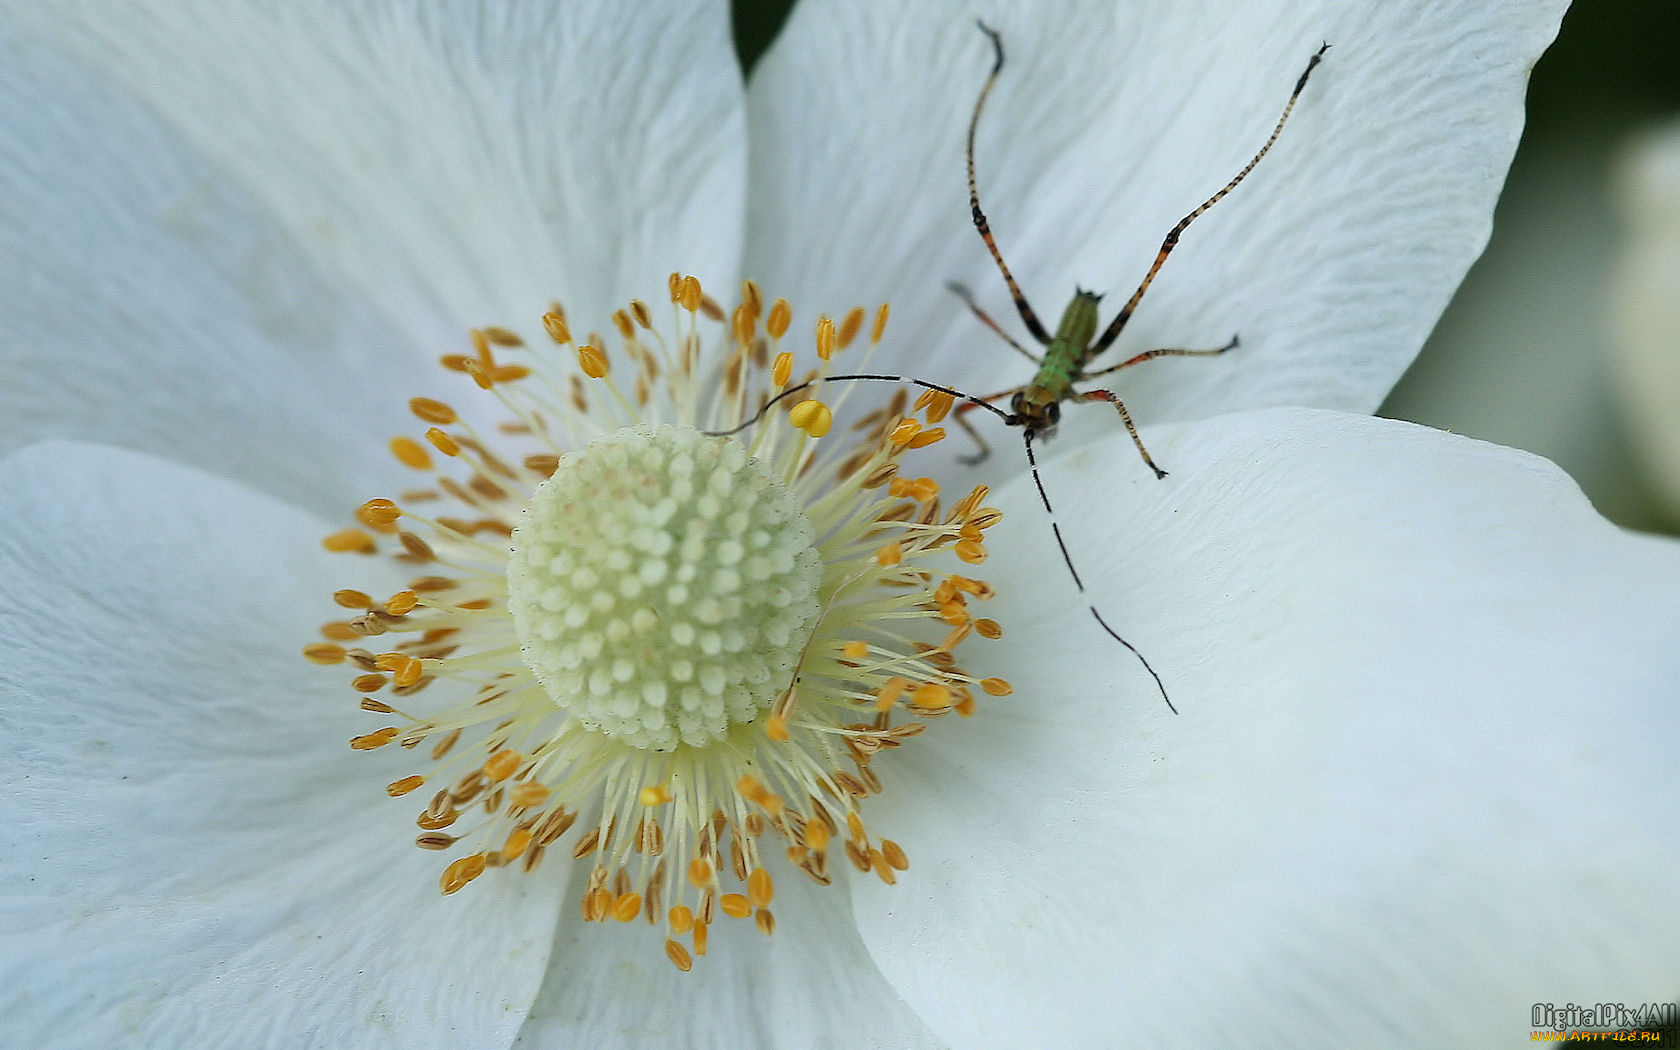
1422 777
1645 305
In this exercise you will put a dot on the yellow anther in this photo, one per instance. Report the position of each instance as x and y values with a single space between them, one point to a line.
368 683
887 696
996 687
931 697
939 405
889 553
626 906
689 293
654 795
825 337
443 442
528 795
760 889
904 432
699 873
700 938
988 628
971 551
735 905
674 284
880 327
813 417
390 661
340 631
639 311
926 438
401 603
352 599
776 728
324 653
517 843
481 344
592 361
479 374
432 411
782 370
751 297
856 650
954 612
398 788
557 328
461 872
502 764
377 738
597 904
346 540
681 919
964 705
508 373
850 327
678 955
409 673
622 322
502 337
410 454
816 836
781 316
380 514
894 855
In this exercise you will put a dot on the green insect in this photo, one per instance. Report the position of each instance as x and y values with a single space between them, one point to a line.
1035 407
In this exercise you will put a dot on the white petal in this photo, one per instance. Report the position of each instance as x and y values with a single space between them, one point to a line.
193 850
456 167
811 984
1422 777
152 305
1110 122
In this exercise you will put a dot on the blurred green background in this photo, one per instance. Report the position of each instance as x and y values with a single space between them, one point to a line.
1521 356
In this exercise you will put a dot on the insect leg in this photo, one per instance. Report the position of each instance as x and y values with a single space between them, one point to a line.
1126 418
1067 559
963 410
1112 332
966 296
1028 318
1150 355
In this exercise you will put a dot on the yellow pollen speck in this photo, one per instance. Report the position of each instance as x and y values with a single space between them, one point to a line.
592 361
397 788
813 417
825 337
782 370
781 316
996 687
432 411
654 795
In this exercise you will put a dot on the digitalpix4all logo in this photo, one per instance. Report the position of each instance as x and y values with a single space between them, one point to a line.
1612 1016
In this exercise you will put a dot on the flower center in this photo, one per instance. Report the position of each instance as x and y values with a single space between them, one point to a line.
682 649
663 586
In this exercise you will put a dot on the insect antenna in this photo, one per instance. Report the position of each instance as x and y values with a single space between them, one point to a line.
1010 419
1112 332
1067 559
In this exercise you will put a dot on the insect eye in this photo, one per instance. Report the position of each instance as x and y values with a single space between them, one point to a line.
1015 404
1052 412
